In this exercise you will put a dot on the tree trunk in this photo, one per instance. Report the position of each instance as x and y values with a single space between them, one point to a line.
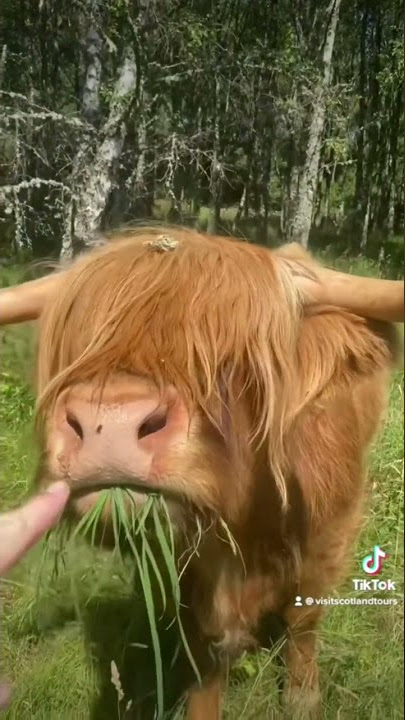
302 221
329 186
373 134
366 224
265 186
91 88
196 185
172 167
393 160
140 189
215 180
290 198
361 117
97 178
241 205
3 59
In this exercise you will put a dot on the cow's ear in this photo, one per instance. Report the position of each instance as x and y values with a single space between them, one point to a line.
27 301
336 350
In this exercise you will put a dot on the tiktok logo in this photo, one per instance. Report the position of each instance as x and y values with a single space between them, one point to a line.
372 564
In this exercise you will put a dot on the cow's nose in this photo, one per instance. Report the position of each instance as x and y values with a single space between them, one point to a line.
139 420
123 433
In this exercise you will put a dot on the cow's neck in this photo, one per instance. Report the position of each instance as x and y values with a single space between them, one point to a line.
233 584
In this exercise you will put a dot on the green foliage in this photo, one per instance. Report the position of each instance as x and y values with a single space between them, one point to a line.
234 83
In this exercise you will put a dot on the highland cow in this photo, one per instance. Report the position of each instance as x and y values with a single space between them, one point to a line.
240 383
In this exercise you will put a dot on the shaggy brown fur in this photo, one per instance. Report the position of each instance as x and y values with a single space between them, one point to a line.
286 402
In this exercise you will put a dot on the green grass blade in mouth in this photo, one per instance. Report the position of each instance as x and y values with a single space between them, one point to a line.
150 609
174 578
135 526
90 520
144 577
163 506
167 555
115 519
188 650
144 514
146 548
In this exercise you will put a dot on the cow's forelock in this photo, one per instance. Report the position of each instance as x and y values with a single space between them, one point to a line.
213 319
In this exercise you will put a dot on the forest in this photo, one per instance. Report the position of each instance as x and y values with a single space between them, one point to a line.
272 120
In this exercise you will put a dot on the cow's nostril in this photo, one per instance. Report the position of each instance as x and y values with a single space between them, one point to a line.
75 425
153 424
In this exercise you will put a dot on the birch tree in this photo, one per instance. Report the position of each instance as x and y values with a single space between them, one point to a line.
301 225
97 178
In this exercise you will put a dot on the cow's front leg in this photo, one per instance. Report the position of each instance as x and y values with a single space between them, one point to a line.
205 703
301 695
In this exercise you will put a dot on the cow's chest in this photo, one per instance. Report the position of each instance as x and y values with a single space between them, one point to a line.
241 613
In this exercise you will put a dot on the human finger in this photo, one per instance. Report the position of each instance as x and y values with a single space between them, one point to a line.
20 529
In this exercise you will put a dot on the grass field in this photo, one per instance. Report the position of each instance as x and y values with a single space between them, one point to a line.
60 634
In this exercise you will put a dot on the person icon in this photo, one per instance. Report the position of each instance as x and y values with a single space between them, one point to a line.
298 601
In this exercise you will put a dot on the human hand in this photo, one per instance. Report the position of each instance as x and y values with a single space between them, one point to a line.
22 528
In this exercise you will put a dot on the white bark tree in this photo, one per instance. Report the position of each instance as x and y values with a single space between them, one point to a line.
95 179
91 89
301 224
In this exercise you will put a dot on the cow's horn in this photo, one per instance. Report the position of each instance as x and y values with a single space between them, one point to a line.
369 297
26 301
